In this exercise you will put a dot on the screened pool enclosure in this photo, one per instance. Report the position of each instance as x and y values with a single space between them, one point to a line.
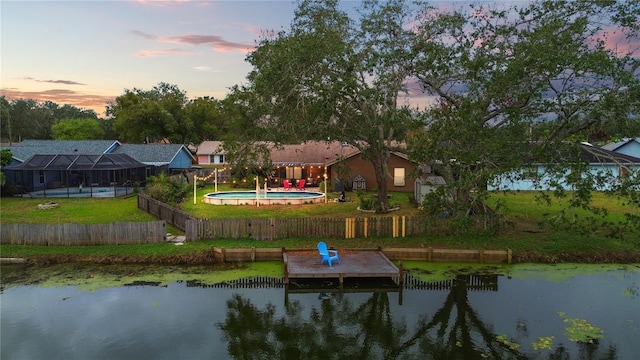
75 175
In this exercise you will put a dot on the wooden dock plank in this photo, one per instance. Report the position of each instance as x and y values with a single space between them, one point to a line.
352 264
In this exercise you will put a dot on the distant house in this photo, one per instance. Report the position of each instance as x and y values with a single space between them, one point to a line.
48 164
629 147
311 160
210 152
601 161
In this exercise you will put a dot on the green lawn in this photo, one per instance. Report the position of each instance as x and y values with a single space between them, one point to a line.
523 237
14 210
331 208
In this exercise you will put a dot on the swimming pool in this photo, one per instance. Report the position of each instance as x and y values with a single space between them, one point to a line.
265 198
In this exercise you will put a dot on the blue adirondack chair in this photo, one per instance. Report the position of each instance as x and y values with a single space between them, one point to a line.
327 255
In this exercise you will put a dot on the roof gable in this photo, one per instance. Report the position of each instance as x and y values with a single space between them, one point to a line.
157 154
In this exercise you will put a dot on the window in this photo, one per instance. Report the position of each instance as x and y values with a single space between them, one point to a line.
530 172
398 177
216 159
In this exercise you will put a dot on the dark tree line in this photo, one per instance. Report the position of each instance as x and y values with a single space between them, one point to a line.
30 119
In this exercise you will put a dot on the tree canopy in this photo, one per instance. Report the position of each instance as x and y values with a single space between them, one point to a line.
508 86
30 119
77 129
165 112
151 115
518 86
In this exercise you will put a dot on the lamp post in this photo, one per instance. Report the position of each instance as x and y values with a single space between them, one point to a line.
325 184
215 181
195 180
257 192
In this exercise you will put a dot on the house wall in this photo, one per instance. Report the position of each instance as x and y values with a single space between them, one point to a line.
632 148
180 161
358 166
505 183
204 159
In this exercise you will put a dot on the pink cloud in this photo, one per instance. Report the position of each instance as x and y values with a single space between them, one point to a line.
619 42
161 3
217 43
151 53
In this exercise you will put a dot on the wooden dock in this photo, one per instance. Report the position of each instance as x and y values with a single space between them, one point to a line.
353 264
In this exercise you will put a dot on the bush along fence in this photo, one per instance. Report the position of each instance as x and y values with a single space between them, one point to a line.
171 215
119 233
326 227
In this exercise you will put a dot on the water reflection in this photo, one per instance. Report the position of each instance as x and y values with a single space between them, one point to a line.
341 329
465 317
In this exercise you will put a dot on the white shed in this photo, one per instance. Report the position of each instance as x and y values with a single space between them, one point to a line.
425 185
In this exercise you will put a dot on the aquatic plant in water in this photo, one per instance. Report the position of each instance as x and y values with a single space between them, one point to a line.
580 330
504 340
543 343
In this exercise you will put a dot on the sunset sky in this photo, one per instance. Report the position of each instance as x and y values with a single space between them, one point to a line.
87 52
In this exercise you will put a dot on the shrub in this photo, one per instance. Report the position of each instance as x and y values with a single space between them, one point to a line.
163 189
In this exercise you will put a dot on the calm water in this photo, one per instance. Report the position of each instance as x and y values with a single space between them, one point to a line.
510 314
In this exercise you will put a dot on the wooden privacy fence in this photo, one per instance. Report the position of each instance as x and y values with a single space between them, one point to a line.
355 227
171 215
118 233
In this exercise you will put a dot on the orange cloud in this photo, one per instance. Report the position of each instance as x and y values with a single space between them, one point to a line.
61 97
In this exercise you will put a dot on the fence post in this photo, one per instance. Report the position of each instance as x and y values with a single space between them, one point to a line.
366 227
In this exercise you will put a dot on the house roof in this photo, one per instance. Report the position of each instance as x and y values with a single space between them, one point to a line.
311 153
27 148
210 148
153 154
618 144
79 162
598 155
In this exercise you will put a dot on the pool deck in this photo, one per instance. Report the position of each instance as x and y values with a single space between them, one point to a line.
353 264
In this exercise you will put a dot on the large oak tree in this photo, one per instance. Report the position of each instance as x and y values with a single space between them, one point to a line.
330 77
519 86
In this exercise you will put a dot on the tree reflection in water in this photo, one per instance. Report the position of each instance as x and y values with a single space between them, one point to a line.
340 330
